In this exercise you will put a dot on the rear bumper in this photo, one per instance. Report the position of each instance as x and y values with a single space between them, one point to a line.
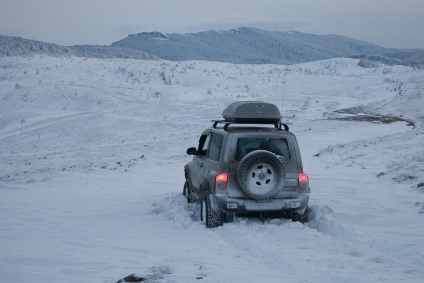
224 203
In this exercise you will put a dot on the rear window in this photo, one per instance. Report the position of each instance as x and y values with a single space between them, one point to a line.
278 146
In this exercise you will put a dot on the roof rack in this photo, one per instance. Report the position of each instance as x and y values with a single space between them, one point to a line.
278 125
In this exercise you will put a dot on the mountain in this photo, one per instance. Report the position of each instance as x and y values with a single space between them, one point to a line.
240 46
249 45
17 46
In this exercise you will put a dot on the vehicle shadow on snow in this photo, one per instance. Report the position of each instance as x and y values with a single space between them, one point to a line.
253 217
322 218
175 208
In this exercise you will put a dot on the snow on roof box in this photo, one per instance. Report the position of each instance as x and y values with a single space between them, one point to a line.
252 112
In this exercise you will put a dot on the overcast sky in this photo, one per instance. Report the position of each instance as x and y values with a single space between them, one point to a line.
389 23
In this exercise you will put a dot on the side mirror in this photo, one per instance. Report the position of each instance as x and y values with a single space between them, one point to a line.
192 151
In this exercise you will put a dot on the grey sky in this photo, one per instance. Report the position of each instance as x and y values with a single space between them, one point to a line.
389 23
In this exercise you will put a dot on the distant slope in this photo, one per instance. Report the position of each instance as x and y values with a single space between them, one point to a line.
17 46
249 45
413 58
96 51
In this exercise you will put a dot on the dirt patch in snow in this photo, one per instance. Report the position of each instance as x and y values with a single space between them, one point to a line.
353 114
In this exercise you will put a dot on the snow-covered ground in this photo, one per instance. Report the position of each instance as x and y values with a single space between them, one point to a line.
91 172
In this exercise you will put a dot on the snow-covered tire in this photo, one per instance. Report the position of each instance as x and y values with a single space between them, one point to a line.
260 174
185 188
188 193
302 218
209 215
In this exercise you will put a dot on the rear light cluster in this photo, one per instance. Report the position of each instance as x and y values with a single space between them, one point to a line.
303 182
221 182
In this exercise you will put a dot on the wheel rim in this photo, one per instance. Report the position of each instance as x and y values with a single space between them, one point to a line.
261 179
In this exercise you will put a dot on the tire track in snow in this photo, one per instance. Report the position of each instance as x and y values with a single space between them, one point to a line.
47 122
290 248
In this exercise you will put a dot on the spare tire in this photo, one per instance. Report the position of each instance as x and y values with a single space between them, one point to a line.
260 174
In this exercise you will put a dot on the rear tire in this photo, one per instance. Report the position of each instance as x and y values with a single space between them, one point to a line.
209 215
188 193
302 218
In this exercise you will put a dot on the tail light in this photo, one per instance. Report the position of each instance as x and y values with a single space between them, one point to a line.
221 182
303 182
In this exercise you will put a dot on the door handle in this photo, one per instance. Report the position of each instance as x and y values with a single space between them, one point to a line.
201 165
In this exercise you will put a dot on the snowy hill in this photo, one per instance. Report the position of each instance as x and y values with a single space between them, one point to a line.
17 46
242 45
414 58
91 172
249 45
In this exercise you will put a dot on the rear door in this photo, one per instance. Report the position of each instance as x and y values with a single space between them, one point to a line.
280 145
206 164
197 170
212 165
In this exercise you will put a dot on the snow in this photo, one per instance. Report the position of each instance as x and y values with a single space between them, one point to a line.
91 172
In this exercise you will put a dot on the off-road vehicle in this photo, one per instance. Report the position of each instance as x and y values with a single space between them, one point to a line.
247 163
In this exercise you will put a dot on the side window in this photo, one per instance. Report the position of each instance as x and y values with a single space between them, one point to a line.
210 146
215 147
204 144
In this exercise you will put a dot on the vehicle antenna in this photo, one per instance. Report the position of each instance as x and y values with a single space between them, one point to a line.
284 92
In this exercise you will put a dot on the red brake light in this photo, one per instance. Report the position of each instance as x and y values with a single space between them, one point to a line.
302 177
303 182
221 177
221 182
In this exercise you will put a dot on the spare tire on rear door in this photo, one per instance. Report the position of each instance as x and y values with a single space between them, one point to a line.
260 174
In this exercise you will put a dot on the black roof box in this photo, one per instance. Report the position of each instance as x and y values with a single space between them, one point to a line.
252 112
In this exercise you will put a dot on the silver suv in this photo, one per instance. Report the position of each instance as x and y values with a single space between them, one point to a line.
248 163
